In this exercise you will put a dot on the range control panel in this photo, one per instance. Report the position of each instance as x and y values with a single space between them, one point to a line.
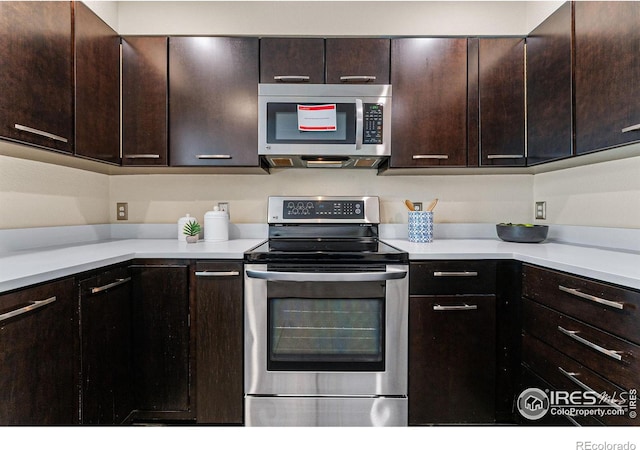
372 133
323 209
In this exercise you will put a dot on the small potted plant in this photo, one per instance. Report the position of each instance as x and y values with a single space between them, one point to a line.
192 230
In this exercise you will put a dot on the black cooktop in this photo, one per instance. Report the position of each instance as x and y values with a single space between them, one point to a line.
310 244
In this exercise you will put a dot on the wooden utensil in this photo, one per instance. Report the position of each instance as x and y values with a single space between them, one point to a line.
409 205
432 205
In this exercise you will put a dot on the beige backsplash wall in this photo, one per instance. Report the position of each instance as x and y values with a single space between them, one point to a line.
37 194
605 194
463 198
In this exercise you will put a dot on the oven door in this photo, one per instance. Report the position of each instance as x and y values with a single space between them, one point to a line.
317 330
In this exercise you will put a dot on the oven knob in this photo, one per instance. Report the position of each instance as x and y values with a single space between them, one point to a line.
295 211
290 205
310 205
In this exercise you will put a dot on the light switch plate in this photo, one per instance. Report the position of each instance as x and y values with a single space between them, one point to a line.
541 210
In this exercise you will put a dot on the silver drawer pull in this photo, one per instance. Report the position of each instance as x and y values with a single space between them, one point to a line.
231 273
213 156
592 298
142 156
572 376
464 307
635 127
574 335
25 309
430 156
46 134
455 274
364 78
292 78
504 156
118 282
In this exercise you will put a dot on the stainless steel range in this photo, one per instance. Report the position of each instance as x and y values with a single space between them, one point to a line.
326 313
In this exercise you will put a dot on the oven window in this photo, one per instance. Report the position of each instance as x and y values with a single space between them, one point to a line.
332 333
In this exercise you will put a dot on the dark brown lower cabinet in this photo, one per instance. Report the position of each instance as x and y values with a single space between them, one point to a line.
219 342
160 340
452 359
38 348
105 323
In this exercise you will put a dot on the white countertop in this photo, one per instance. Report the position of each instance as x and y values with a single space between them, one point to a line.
20 269
612 266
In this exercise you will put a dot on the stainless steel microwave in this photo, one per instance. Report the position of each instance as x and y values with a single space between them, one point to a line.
324 125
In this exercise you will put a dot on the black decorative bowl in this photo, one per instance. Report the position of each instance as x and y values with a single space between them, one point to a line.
522 233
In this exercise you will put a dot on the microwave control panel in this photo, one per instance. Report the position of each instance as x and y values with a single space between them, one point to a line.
372 123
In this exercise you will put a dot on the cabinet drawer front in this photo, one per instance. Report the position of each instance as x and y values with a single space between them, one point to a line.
565 374
614 309
611 357
452 277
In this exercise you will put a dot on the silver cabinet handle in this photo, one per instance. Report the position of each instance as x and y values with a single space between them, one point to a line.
142 156
430 156
323 276
572 376
464 307
231 273
359 123
361 78
118 282
455 274
25 309
213 156
504 156
46 134
292 78
574 335
592 298
635 127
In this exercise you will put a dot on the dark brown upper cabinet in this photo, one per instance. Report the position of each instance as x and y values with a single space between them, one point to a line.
292 60
213 101
144 101
501 97
36 74
429 123
357 60
607 70
549 88
97 65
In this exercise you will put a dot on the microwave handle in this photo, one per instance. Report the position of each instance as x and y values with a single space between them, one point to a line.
359 123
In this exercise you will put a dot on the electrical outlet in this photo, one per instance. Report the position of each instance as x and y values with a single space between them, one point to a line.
122 211
223 206
417 206
541 210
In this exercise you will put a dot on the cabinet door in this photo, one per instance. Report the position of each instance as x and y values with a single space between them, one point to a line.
105 319
501 97
219 342
358 60
144 101
36 105
160 319
452 359
607 70
213 91
39 356
97 64
549 89
292 60
429 78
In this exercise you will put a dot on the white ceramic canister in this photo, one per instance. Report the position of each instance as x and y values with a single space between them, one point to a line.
216 225
182 221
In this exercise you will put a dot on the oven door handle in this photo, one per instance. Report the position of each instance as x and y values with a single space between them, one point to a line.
392 274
